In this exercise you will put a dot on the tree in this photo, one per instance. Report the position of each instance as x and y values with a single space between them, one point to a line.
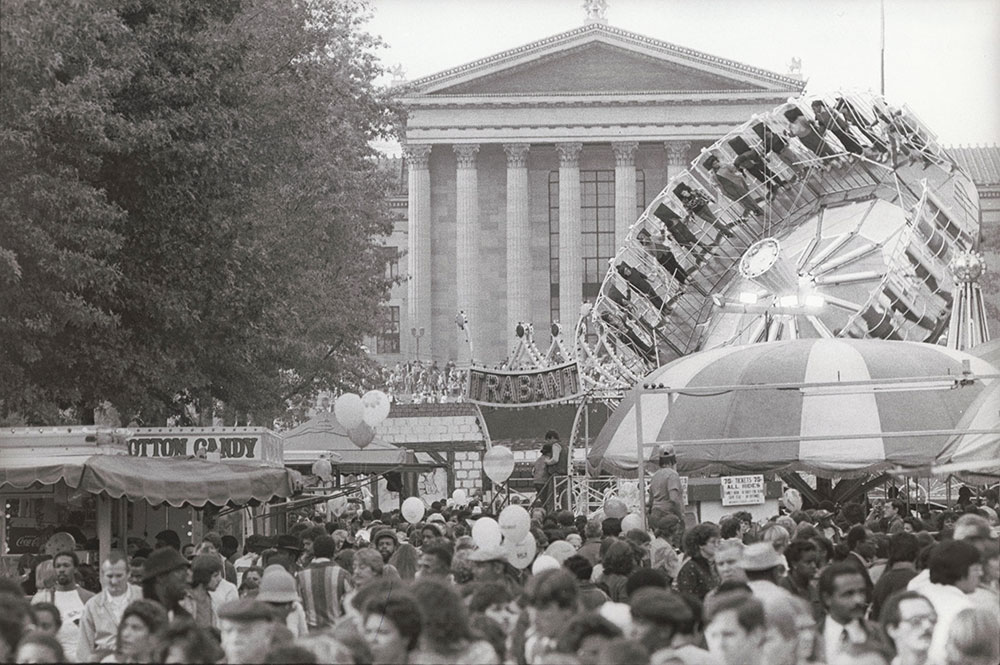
249 207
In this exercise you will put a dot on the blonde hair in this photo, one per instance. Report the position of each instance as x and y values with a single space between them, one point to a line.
974 637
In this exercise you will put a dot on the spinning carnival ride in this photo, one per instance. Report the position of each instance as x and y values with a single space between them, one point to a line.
831 216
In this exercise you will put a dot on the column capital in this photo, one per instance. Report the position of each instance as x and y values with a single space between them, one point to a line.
569 154
677 152
624 152
466 154
417 155
517 155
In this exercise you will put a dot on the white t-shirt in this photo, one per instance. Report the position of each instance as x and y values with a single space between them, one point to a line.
71 610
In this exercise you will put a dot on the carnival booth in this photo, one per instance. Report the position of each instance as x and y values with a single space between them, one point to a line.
844 408
374 466
110 485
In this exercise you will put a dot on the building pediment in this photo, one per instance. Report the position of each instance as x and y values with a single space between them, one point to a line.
599 59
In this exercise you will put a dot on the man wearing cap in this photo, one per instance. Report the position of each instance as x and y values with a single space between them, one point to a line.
764 567
385 540
246 627
490 565
665 491
103 612
166 578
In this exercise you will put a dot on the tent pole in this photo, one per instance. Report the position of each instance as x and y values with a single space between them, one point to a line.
103 527
640 457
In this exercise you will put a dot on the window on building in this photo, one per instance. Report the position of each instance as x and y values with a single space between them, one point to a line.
387 340
597 228
391 257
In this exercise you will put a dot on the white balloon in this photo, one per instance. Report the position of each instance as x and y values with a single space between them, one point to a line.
498 464
486 533
560 550
631 521
615 507
543 562
413 509
376 407
460 497
520 555
792 500
515 523
349 411
322 468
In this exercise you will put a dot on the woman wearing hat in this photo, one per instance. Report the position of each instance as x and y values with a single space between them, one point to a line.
277 589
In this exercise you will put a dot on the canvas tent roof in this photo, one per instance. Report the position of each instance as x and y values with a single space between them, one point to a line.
891 412
325 435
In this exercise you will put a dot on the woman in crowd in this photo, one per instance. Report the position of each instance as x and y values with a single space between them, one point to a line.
619 562
445 636
973 638
141 620
698 576
392 625
39 647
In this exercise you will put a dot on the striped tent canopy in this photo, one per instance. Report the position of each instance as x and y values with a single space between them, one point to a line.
833 407
977 456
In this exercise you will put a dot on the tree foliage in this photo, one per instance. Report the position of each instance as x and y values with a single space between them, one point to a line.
191 209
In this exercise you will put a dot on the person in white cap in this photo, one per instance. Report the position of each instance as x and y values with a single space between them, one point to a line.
278 589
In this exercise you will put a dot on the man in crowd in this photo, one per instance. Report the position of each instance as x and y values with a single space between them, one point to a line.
103 612
166 580
900 569
844 594
69 597
665 490
322 586
955 571
435 560
908 619
247 627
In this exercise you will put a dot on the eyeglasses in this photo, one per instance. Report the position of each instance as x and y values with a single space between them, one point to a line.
920 619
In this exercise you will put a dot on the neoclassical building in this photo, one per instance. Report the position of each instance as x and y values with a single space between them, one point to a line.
525 169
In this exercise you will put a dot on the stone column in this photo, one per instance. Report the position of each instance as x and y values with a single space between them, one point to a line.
677 156
418 287
518 238
570 241
466 241
625 203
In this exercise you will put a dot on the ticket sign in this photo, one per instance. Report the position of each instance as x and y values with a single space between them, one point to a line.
742 490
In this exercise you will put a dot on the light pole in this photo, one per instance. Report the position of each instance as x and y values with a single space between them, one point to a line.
417 334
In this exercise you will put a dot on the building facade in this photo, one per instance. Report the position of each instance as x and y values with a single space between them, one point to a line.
525 169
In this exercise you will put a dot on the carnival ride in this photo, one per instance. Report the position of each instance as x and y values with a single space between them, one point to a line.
831 216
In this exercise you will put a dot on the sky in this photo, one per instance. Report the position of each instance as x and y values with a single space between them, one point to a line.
942 57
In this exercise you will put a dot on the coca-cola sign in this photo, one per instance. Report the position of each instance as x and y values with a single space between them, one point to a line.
25 539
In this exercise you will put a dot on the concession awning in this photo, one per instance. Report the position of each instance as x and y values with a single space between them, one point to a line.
174 481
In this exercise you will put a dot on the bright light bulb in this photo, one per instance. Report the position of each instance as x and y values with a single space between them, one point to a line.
789 301
748 298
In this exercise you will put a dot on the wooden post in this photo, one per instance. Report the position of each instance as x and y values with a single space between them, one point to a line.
103 527
641 456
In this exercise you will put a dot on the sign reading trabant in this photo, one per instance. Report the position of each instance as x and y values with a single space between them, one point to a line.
244 445
526 388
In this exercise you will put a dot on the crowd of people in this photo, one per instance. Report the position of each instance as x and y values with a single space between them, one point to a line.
833 584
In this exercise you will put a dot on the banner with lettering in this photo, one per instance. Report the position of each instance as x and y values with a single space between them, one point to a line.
244 447
524 388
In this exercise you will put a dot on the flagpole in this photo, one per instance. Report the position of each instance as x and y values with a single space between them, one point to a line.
882 47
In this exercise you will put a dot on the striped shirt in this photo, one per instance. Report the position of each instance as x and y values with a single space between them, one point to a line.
322 587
